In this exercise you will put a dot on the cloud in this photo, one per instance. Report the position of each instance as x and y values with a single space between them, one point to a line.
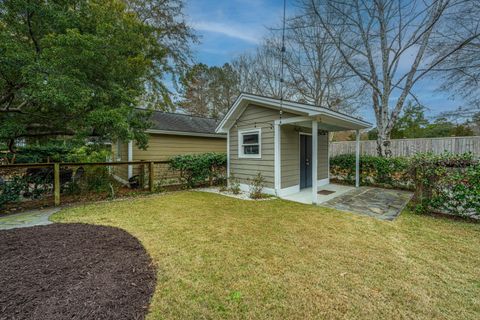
242 33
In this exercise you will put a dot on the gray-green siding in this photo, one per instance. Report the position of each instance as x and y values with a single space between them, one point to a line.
262 117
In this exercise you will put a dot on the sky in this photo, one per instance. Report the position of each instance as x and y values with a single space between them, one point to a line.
228 28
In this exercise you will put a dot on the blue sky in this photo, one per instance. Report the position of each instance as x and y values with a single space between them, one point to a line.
228 28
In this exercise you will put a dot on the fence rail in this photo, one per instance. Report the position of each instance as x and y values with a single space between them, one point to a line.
409 147
54 176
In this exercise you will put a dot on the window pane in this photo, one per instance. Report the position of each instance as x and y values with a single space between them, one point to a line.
250 149
250 138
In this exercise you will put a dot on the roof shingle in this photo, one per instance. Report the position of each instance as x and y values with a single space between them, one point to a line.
182 123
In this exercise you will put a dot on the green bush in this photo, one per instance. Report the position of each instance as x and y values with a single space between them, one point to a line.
256 187
446 183
376 171
10 191
197 168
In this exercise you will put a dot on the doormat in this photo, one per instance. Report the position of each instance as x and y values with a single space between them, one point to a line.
325 192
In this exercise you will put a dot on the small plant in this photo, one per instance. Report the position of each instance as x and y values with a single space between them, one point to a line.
234 184
256 187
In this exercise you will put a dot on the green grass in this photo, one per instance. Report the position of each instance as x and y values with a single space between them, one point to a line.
219 257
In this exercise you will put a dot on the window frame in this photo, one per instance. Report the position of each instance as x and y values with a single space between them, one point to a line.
243 132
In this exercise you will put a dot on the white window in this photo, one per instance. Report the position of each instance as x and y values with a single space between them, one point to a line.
249 143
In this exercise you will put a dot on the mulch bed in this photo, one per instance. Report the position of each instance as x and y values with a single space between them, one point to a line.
74 271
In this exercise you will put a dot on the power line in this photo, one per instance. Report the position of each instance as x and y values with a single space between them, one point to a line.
282 59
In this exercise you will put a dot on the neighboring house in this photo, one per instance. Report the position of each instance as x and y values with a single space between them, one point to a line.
171 134
275 139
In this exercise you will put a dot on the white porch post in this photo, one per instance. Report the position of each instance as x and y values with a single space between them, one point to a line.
357 159
277 159
314 161
130 158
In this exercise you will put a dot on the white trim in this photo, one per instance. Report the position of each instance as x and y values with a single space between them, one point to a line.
307 110
228 155
293 120
130 158
184 133
277 158
241 155
283 192
246 188
323 182
289 190
314 159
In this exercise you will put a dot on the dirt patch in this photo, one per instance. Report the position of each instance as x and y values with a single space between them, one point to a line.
73 271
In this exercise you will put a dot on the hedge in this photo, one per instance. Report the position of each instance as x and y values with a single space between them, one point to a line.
445 183
374 171
197 168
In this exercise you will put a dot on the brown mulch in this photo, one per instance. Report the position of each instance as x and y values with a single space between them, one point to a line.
73 271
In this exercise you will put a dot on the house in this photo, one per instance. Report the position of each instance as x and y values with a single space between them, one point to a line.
171 134
274 138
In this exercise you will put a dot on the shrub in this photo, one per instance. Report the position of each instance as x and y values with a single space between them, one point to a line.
234 184
10 191
256 187
447 183
377 171
196 169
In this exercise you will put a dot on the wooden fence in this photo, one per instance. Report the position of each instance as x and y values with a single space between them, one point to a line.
56 167
409 147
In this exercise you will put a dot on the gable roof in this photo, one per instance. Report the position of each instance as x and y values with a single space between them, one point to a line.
302 109
183 124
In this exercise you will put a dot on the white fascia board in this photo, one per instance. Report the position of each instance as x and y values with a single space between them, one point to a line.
296 107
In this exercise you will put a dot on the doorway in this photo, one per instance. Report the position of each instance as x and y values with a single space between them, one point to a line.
305 161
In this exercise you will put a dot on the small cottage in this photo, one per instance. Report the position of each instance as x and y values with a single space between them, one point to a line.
286 142
171 134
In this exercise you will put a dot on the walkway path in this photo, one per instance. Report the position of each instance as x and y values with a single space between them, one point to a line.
27 219
384 204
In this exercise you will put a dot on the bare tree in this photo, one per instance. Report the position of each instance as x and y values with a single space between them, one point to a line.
317 72
460 70
390 39
260 72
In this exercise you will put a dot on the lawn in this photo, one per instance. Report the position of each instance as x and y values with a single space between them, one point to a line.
219 257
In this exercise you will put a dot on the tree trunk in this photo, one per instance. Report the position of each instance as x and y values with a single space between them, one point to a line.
383 142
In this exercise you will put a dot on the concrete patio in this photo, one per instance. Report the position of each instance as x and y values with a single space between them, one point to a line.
384 204
305 195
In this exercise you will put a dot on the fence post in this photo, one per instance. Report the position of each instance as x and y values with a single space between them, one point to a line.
151 176
56 183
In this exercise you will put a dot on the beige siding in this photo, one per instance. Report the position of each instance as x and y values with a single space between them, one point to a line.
322 157
245 169
261 117
121 171
163 147
290 157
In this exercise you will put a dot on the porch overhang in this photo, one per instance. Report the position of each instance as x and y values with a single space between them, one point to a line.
327 119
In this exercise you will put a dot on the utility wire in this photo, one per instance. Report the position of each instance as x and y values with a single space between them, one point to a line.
282 59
